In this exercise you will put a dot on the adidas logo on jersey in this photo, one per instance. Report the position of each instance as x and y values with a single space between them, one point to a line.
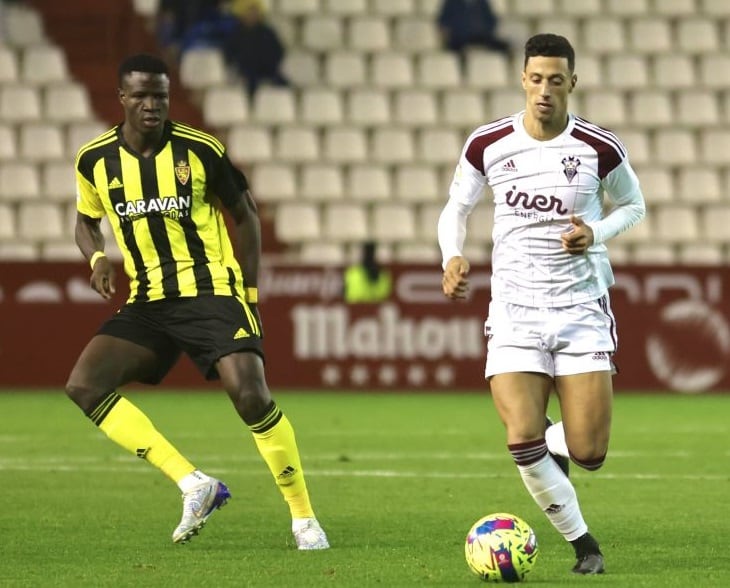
509 166
241 334
115 183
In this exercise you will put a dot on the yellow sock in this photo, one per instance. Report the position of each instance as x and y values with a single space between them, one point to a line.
275 440
129 427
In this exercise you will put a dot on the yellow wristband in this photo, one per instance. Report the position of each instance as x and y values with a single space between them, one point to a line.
251 295
95 257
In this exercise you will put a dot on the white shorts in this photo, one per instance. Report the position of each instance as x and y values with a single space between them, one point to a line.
554 341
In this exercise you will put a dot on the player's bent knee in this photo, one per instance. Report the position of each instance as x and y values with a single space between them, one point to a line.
589 463
251 402
85 397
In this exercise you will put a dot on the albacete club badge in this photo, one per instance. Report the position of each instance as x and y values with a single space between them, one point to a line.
182 171
570 167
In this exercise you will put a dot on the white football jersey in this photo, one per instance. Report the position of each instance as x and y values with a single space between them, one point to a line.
537 187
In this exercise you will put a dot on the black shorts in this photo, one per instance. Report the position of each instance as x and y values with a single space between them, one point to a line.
206 328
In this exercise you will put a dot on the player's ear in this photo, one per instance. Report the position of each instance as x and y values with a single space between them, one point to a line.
573 82
120 94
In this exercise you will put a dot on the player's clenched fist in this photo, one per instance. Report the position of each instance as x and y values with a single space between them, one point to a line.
455 283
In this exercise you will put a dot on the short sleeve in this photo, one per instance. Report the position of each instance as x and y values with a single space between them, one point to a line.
227 181
87 198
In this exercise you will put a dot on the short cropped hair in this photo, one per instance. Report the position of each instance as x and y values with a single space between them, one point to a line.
144 63
550 45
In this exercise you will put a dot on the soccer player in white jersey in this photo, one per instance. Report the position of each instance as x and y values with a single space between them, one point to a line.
550 324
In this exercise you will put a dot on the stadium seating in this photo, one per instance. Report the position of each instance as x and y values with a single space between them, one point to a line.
393 223
225 106
650 109
417 183
40 142
415 108
19 181
322 182
321 106
66 102
8 65
250 144
297 144
345 222
345 7
297 222
368 34
322 254
43 64
323 32
19 103
345 145
202 67
8 146
23 27
368 107
377 114
368 183
345 69
7 221
275 182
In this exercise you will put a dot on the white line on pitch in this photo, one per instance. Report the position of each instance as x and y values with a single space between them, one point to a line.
7 465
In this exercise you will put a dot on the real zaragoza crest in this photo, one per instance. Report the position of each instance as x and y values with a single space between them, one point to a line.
182 171
570 167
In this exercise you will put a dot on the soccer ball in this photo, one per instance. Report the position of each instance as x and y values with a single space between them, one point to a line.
501 547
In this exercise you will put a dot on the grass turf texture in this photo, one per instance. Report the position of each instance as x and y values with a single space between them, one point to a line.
397 480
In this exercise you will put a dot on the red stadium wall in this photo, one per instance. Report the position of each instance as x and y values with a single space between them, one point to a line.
672 323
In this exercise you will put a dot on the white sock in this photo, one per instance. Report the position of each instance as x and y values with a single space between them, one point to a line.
192 480
555 440
555 495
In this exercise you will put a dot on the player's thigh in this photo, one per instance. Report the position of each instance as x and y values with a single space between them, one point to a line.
129 347
521 400
105 364
586 404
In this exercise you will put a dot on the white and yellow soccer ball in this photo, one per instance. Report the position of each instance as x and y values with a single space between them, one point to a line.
501 547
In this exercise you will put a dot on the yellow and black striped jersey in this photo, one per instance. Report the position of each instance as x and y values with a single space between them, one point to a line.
165 210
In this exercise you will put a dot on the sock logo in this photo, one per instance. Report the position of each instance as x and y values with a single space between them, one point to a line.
554 508
287 472
142 452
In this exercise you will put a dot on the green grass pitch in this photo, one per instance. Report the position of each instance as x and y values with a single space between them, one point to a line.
396 479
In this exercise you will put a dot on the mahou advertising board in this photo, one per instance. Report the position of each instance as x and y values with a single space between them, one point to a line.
673 329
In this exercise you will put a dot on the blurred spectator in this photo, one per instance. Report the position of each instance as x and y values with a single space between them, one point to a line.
182 24
253 46
367 282
468 23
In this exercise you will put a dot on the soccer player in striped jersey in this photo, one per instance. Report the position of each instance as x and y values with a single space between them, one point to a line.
164 187
549 323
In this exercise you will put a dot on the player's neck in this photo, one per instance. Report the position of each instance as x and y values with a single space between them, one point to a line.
543 130
143 143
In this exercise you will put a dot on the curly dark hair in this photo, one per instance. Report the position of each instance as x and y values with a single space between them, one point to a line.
550 45
144 63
